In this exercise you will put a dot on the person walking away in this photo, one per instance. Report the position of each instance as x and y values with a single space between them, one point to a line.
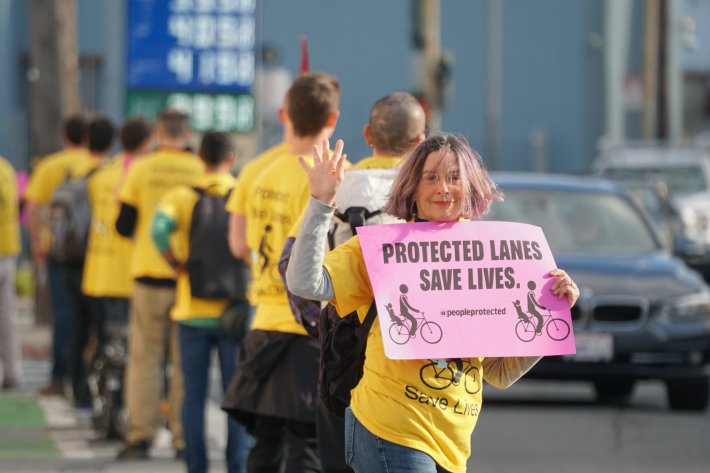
48 175
153 296
189 215
100 134
107 281
10 346
396 124
274 391
442 180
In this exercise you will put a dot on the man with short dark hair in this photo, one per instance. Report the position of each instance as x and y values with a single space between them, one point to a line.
277 404
154 286
100 136
107 281
48 175
197 316
396 124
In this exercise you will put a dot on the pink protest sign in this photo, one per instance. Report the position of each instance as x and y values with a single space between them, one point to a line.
465 289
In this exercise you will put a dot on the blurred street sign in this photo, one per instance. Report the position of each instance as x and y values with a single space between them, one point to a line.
191 45
195 55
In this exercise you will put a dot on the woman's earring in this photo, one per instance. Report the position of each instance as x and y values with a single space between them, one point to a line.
413 210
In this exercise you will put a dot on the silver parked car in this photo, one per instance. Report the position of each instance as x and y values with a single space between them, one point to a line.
686 173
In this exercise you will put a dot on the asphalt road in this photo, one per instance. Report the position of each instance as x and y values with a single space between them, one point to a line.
534 427
543 426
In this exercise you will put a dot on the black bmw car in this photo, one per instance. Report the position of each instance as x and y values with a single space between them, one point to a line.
642 314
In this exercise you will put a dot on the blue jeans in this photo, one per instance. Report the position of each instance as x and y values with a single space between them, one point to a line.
367 453
196 344
61 324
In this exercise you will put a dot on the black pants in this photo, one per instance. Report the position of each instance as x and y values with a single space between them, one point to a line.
81 327
280 441
331 440
110 321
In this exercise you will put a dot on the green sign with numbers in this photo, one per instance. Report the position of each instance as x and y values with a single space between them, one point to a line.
233 113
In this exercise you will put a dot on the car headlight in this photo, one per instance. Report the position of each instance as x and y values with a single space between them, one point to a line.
695 223
690 306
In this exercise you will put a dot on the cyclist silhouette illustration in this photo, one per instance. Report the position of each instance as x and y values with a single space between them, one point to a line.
526 329
521 313
533 305
393 316
442 373
405 307
265 249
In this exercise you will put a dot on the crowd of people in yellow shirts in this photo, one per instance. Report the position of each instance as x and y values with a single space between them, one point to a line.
134 267
143 203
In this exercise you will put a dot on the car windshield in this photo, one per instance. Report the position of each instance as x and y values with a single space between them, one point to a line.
649 199
681 180
577 221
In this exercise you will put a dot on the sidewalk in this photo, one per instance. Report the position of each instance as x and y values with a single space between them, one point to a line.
46 434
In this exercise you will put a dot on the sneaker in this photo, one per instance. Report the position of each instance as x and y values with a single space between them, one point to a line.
54 388
134 451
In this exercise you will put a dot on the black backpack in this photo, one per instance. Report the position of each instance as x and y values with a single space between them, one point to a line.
70 219
213 271
343 341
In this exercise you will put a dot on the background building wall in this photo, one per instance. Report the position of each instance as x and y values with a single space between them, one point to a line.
13 118
552 85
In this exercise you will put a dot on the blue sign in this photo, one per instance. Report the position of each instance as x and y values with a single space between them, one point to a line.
191 45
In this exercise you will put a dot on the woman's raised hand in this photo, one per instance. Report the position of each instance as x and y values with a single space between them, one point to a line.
327 171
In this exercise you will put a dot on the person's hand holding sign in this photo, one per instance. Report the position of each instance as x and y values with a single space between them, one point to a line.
327 172
564 286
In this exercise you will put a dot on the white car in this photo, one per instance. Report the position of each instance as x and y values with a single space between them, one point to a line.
686 173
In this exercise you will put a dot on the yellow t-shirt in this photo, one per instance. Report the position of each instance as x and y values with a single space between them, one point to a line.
52 171
377 162
178 204
9 215
107 267
414 403
278 198
239 198
86 167
147 181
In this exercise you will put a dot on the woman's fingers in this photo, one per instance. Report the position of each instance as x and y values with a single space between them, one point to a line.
338 151
564 286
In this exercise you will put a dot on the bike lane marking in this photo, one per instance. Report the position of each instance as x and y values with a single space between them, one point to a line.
24 432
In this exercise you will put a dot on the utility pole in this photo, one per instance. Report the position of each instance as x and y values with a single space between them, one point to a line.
53 74
650 68
616 51
674 72
53 71
429 19
494 76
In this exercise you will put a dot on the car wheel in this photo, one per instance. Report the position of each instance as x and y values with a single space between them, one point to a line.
689 394
616 391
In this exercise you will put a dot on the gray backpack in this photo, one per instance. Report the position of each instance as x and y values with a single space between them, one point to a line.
69 220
